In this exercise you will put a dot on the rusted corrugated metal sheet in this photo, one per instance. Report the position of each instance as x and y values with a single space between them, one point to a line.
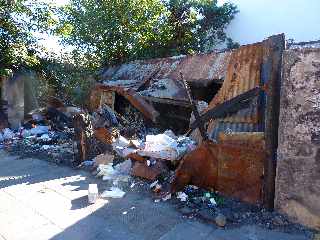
243 161
202 69
159 79
234 167
243 74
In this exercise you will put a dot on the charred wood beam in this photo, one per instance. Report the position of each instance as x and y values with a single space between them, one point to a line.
228 107
198 120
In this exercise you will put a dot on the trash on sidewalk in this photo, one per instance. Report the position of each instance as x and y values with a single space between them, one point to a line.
7 134
141 169
166 197
114 192
93 193
152 185
182 196
103 159
220 220
166 146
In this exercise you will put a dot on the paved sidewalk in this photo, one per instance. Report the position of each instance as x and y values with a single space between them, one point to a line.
40 200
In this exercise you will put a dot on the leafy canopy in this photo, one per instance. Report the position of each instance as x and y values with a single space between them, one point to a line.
18 21
115 31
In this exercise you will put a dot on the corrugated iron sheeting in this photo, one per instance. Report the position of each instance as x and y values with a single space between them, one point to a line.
243 74
229 127
160 78
202 69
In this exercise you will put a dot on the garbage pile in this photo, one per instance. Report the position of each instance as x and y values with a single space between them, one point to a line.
153 158
104 143
35 139
46 132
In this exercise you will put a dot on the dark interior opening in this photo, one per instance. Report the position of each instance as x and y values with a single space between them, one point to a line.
173 117
204 93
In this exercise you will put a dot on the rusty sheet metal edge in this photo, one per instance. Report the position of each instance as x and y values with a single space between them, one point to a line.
134 98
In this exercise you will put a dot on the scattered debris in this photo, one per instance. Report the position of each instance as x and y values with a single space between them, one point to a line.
166 197
116 139
166 146
152 185
92 193
103 159
182 196
7 134
114 192
220 220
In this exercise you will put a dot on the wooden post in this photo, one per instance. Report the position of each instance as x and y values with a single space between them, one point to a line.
271 78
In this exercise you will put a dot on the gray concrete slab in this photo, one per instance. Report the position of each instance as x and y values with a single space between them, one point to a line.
252 233
40 201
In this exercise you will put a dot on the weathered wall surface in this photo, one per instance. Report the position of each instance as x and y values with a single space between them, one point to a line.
20 93
298 166
13 93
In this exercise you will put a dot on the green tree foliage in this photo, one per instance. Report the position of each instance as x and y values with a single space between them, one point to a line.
115 31
66 76
18 20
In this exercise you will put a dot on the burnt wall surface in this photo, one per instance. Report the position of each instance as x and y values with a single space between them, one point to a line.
298 164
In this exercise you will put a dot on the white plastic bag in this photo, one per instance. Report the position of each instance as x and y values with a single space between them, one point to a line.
114 192
160 146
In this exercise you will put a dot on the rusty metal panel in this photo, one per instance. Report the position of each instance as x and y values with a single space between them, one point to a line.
240 172
243 74
160 78
202 69
215 128
233 167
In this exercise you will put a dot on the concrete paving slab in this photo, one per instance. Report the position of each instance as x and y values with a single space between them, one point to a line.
252 233
189 230
39 200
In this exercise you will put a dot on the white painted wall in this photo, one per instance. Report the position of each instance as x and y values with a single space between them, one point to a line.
258 19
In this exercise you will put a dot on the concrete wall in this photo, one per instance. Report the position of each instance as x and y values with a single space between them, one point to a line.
13 93
262 18
20 93
298 166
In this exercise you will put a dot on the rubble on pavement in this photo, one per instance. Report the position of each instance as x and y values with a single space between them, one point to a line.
122 140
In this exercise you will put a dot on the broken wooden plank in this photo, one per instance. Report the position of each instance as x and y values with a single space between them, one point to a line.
196 113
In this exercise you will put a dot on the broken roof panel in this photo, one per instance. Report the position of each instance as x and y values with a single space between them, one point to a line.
203 69
160 78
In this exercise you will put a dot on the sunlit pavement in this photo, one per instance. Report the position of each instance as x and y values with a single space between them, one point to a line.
40 200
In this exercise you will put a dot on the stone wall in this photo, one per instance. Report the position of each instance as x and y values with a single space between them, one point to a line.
298 166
